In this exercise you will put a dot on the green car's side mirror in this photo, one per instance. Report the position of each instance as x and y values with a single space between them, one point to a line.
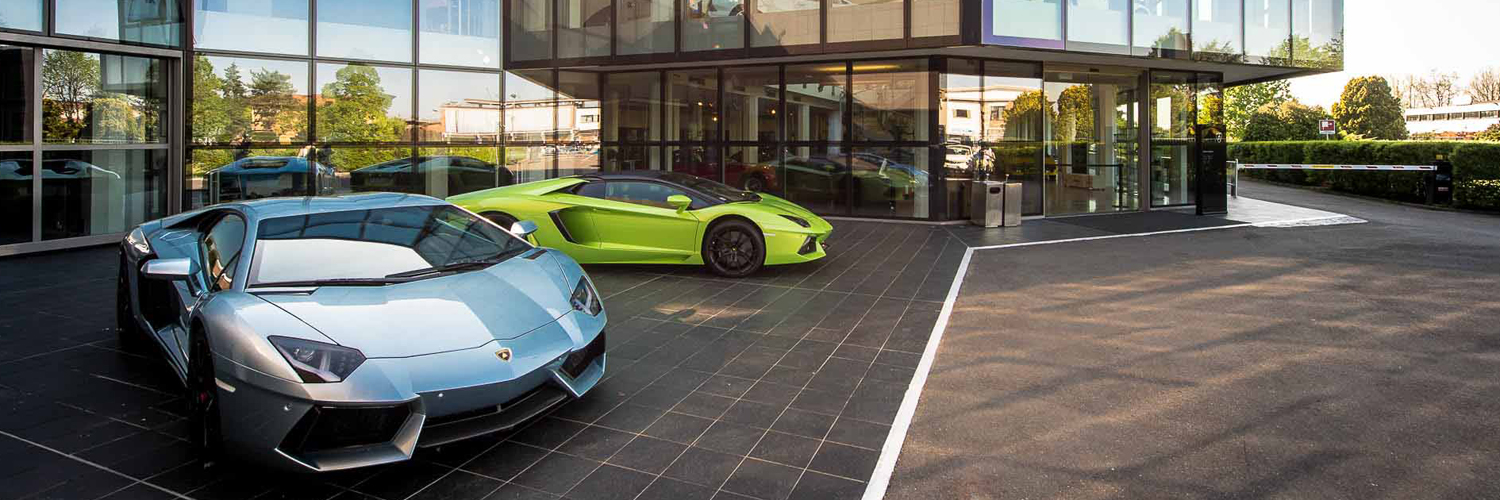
680 202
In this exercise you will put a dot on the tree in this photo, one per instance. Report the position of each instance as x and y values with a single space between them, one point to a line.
1024 115
355 109
1489 134
1369 110
210 119
273 106
1485 85
1431 91
1287 121
1242 101
1075 114
70 80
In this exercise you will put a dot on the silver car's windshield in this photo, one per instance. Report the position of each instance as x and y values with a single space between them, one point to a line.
374 247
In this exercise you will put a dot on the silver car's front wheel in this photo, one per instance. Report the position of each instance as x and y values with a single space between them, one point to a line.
203 399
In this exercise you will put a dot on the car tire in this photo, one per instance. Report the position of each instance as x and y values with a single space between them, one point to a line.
755 183
734 248
501 219
125 325
203 399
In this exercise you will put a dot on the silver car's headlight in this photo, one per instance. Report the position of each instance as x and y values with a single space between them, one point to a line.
584 298
137 241
316 362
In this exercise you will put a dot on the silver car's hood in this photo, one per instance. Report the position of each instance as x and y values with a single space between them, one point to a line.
441 314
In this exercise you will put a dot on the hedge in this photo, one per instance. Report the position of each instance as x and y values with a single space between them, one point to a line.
1476 167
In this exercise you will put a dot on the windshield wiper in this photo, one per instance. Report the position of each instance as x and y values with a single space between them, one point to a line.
330 282
459 265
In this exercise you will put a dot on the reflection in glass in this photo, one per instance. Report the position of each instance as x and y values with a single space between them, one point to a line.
781 23
1318 33
890 182
101 192
693 99
21 15
753 168
437 172
1011 109
645 27
865 20
583 28
16 79
530 30
890 101
578 122
816 95
278 27
220 175
1217 30
16 172
934 18
1030 23
752 103
961 120
458 106
530 163
93 99
460 32
1099 25
622 158
373 30
816 177
1161 28
1172 132
1268 30
238 99
529 106
359 103
1093 143
713 24
632 105
341 163
154 22
701 161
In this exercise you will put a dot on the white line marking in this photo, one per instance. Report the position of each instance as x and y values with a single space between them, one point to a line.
880 480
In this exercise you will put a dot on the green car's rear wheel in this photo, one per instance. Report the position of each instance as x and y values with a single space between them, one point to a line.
734 249
501 219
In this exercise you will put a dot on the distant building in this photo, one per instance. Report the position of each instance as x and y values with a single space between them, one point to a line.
1453 122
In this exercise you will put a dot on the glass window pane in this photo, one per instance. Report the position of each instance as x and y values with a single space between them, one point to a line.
438 172
1016 112
1099 25
460 32
890 182
645 27
934 18
632 103
529 106
375 30
816 95
753 168
816 177
781 23
93 99
1172 131
530 163
277 26
236 99
701 161
154 22
890 101
752 107
1268 30
713 24
583 30
101 192
21 15
530 30
1027 23
1161 28
362 103
16 79
341 163
693 114
16 172
218 175
1216 30
578 109
621 158
1318 31
961 102
458 106
1093 143
865 20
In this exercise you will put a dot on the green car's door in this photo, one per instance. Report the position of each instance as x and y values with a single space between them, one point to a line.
635 223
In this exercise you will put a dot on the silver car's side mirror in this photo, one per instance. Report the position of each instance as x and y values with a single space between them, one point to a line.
522 229
170 269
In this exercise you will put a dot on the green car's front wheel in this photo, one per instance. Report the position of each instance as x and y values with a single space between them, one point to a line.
734 249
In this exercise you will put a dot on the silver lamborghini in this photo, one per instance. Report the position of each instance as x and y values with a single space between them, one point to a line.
326 333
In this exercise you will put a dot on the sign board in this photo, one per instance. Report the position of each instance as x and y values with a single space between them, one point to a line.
1326 127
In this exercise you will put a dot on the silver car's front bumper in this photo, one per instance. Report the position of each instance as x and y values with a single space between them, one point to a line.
390 406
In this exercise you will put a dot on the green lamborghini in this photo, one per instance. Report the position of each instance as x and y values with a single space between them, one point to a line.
656 217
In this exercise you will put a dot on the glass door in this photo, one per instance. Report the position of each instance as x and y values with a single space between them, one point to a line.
1172 138
1092 152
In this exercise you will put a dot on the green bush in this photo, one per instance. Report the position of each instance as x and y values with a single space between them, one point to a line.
1472 162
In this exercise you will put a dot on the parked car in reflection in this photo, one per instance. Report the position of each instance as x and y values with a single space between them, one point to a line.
460 174
714 8
269 176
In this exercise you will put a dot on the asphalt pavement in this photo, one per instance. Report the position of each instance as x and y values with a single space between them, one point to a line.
1348 361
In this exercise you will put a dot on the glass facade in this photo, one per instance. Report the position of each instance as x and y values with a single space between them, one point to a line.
1161 28
21 15
1092 152
460 33
1268 31
149 22
1318 34
1217 30
282 24
369 30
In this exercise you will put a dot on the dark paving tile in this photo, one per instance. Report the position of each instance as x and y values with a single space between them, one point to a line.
730 438
772 393
611 483
671 489
876 401
506 460
785 449
817 486
845 461
819 402
459 485
596 443
90 484
455 454
703 467
704 405
648 454
752 414
549 433
236 487
763 480
140 492
556 473
730 387
804 423
679 427
631 418
859 433
787 375
512 491
401 480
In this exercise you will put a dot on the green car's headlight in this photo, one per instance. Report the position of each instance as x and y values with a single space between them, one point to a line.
584 299
800 221
316 362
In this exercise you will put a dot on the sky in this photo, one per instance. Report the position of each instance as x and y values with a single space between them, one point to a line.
1386 37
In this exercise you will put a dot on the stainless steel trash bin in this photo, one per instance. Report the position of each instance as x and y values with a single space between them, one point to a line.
995 204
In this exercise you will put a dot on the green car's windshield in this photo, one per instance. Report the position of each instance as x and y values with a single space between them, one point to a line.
723 192
377 246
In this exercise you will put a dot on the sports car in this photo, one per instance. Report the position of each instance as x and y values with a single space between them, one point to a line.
657 217
317 334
